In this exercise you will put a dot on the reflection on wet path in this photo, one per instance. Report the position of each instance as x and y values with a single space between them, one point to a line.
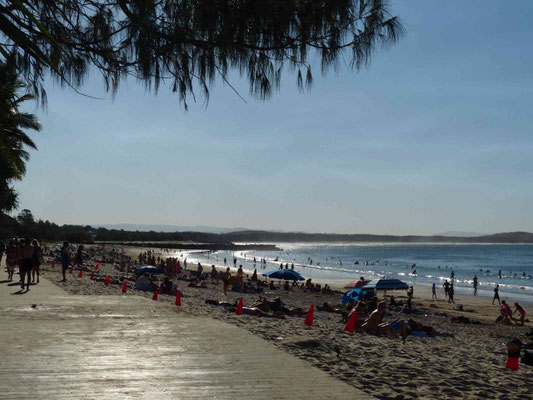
109 347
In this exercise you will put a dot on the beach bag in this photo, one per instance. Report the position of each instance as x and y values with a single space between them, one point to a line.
527 358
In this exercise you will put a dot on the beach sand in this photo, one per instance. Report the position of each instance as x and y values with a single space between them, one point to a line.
469 365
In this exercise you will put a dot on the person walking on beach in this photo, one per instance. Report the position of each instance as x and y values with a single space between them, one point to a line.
497 294
433 292
2 249
446 287
26 251
452 276
450 294
11 259
65 260
37 260
475 284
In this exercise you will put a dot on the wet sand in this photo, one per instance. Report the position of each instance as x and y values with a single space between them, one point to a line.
470 365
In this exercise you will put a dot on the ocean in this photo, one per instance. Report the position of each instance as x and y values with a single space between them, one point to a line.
433 263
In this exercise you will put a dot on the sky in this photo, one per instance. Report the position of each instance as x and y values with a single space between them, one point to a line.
434 136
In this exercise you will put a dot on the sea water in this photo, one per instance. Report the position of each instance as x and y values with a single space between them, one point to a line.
510 266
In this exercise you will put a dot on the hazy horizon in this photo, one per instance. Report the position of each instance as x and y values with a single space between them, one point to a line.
435 136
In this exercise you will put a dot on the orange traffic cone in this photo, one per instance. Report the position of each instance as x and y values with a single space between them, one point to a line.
124 287
70 270
96 268
53 264
80 274
240 306
350 326
178 298
309 318
154 297
92 275
107 280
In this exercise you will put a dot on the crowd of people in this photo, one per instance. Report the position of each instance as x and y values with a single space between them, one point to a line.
24 256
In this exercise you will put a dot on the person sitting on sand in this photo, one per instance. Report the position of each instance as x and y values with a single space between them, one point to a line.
166 286
272 286
520 310
506 313
286 286
374 324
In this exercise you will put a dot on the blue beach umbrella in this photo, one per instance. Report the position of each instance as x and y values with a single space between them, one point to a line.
388 284
287 274
148 269
353 295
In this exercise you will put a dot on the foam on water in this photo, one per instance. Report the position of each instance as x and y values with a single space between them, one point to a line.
337 262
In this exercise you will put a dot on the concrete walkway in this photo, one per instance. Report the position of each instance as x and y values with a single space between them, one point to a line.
114 347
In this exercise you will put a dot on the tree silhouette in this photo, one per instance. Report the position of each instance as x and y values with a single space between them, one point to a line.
188 44
13 139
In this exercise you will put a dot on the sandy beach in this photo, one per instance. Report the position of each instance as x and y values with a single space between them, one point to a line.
468 364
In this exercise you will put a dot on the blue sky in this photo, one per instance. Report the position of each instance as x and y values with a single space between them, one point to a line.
436 135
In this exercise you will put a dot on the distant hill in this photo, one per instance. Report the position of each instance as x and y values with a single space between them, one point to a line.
462 234
168 228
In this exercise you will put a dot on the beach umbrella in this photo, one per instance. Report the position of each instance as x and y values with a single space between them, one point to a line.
353 295
148 269
287 274
388 284
356 284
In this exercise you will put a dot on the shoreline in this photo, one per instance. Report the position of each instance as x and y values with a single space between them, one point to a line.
339 283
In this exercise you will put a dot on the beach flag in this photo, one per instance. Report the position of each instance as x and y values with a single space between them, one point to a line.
239 308
53 264
154 297
309 318
96 268
107 280
92 275
350 326
80 274
124 287
178 298
70 270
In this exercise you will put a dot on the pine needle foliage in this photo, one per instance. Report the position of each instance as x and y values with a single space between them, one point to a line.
188 44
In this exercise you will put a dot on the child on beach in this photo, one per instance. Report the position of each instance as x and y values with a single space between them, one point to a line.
433 292
520 310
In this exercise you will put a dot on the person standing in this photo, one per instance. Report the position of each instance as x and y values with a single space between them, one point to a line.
2 249
225 278
37 260
475 284
497 294
433 292
450 294
65 260
79 256
11 259
446 287
25 256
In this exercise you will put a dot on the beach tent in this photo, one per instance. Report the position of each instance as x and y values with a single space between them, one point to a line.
150 269
286 274
354 294
388 284
356 284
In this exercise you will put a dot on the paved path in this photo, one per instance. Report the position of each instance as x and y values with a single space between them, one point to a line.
113 347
